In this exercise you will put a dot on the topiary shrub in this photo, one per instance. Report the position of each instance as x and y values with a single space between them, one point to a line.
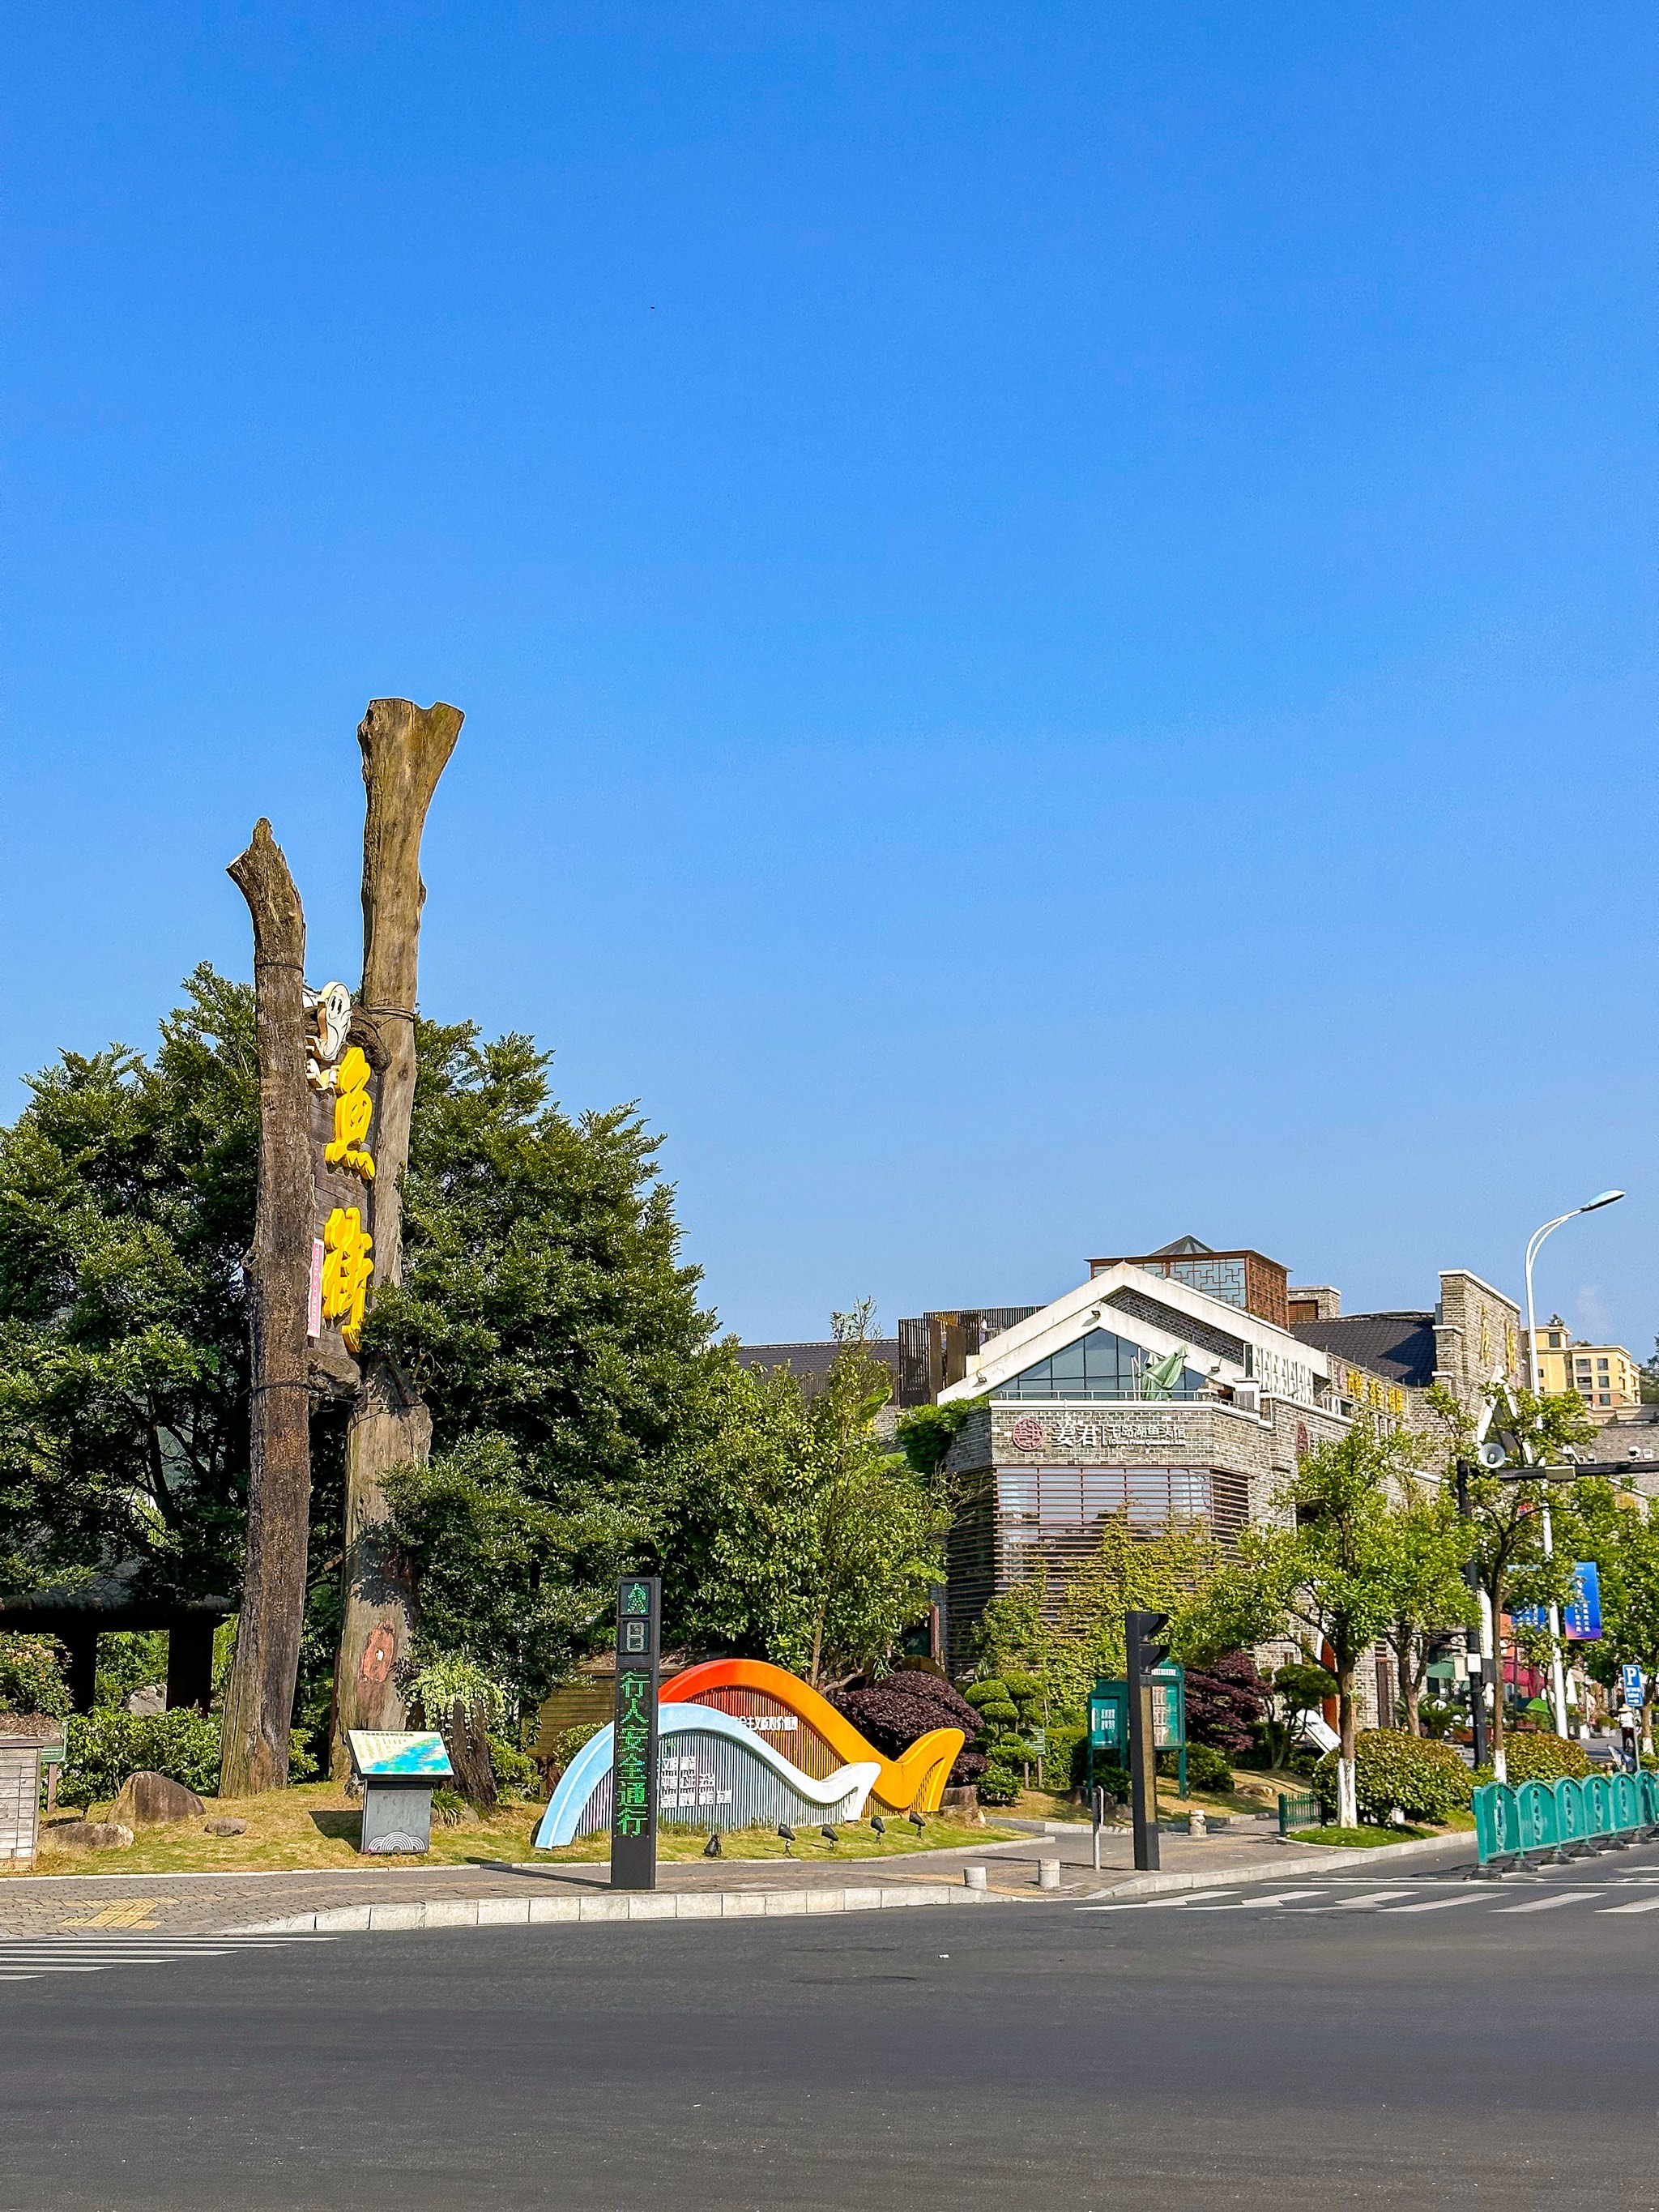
1066 1757
893 1712
1538 1757
991 1702
1422 1779
32 1679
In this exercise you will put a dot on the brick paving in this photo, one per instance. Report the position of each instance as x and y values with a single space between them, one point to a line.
95 1904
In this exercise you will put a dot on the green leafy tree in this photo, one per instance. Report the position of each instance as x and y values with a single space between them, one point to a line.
800 1536
126 1203
545 1312
1333 1563
1430 1593
1506 1532
1620 1533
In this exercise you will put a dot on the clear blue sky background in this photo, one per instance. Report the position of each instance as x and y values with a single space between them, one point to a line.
1054 605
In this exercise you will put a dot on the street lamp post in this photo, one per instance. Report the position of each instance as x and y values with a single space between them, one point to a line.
1535 1375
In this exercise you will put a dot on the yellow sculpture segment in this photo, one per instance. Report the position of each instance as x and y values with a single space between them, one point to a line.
915 1782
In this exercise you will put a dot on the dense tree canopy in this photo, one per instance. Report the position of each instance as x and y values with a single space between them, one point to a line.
544 1313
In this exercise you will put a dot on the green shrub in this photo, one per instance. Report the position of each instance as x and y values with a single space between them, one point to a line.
32 1679
449 1807
1537 1757
1000 1786
516 1771
103 1748
1207 1768
1424 1779
568 1742
1066 1759
992 1703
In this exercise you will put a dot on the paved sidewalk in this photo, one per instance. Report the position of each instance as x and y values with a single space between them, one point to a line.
96 1904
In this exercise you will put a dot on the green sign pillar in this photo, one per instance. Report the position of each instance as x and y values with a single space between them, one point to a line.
1144 1658
633 1753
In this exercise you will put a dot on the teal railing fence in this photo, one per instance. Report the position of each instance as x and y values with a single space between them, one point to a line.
1304 1811
1561 1820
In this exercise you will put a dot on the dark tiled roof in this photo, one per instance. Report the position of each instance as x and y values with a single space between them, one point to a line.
1400 1346
811 1362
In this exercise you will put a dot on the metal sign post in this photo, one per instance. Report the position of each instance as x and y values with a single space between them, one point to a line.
1144 1658
634 1767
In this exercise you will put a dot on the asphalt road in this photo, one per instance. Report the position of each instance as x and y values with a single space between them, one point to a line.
1412 2043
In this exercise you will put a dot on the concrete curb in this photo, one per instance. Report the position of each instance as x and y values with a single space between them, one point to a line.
1326 1861
635 1904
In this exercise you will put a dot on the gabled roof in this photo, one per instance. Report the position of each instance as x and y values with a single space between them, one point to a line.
1159 1316
1399 1345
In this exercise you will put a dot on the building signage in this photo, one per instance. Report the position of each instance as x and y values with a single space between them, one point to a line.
634 1771
1074 1431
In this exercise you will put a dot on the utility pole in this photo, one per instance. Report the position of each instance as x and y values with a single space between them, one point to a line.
1144 1658
1476 1659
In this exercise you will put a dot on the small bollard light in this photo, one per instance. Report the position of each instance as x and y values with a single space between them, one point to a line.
975 1878
1047 1873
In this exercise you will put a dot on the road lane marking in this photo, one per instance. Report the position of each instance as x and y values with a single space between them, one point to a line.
1371 1897
1645 1904
1549 1903
1246 1904
1440 1904
1155 1904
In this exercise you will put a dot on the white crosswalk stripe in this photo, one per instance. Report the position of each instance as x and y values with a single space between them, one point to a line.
24 1959
1390 1904
1549 1903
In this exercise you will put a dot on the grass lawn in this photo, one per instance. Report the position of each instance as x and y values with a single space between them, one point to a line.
1361 1838
315 1826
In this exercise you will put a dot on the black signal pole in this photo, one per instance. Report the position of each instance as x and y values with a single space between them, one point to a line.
1143 1657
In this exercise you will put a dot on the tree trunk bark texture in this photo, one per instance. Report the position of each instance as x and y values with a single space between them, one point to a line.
1347 1804
404 748
260 1705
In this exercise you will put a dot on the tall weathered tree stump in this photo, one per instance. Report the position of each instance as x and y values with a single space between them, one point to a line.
404 748
259 1709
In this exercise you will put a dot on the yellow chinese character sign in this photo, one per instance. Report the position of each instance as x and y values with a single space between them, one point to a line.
354 1109
346 1267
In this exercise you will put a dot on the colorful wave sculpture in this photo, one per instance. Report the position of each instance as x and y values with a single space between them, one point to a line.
915 1782
722 1727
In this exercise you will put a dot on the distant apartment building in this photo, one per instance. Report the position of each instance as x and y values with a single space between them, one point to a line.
1605 1375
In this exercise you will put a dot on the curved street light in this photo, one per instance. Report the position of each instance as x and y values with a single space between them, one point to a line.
1535 1377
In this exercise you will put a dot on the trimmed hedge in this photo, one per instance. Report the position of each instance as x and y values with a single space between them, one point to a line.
1424 1779
1207 1768
1537 1757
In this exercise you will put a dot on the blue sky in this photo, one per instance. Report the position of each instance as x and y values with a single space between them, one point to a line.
1055 606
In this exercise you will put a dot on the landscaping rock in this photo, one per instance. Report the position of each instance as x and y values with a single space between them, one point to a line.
91 1835
148 1801
226 1827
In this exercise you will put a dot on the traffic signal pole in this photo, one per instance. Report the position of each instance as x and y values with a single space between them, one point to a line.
1143 1655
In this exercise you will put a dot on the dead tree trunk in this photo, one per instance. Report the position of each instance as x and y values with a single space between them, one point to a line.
404 748
259 1706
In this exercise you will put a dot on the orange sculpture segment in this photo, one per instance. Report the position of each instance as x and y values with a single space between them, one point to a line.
915 1782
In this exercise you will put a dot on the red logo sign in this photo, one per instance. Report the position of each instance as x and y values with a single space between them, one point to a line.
1029 1433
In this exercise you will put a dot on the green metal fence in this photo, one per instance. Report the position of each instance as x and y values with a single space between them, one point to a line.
1303 1811
1535 1821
